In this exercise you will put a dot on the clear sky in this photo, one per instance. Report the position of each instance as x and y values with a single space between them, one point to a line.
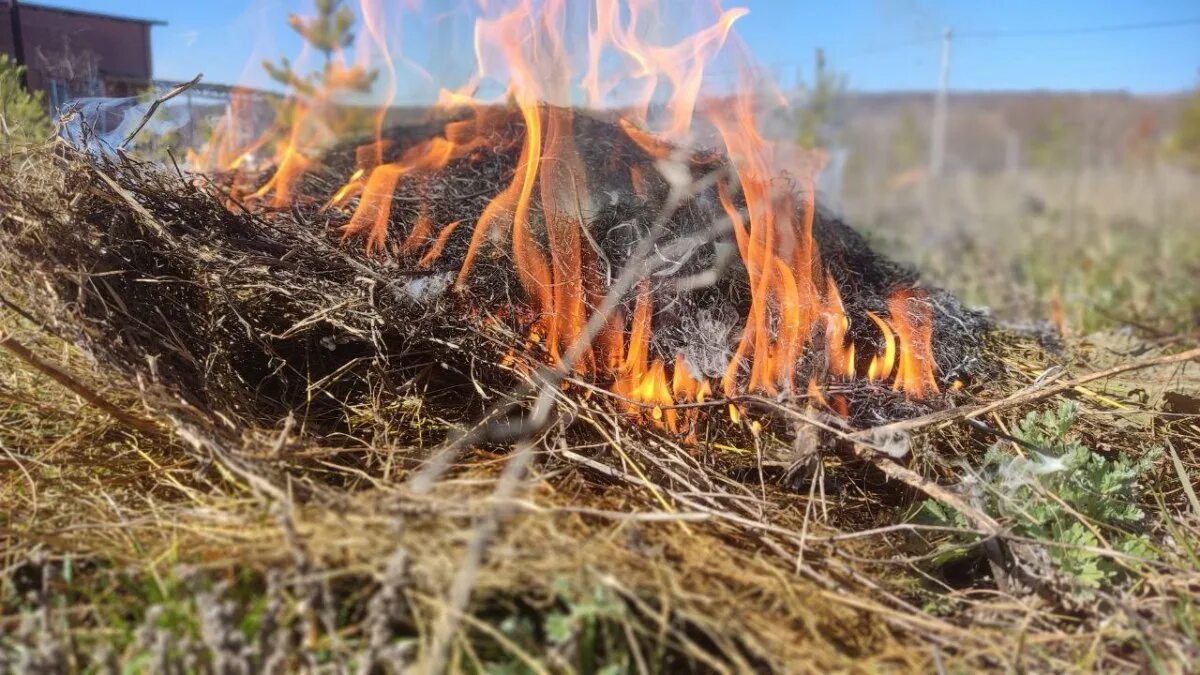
877 44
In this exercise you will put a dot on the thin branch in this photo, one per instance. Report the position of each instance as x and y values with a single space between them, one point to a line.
1026 395
79 389
157 102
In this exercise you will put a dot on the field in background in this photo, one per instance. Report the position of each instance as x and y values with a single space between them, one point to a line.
1067 208
1083 251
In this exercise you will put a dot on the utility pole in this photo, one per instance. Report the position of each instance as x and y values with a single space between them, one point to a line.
937 146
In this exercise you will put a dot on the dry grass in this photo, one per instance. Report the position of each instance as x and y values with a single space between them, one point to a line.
182 539
1088 250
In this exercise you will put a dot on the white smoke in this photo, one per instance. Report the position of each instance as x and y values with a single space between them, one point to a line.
101 126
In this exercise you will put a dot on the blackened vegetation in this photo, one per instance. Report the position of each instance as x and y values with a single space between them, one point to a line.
257 313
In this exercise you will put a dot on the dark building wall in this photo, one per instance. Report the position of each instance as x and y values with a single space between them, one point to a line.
6 38
71 54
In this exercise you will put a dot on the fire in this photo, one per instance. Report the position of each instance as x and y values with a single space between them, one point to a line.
685 386
374 210
439 244
305 123
638 378
912 317
882 365
839 359
540 217
681 65
232 143
292 164
779 253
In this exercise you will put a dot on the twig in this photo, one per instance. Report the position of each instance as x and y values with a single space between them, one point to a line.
157 102
21 312
1026 395
136 206
459 594
79 389
905 475
1184 479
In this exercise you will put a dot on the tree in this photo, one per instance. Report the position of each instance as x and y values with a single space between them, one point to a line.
317 94
1185 141
330 31
22 114
816 114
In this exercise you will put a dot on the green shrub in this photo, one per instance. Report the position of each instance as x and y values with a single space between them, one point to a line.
1074 500
588 630
22 114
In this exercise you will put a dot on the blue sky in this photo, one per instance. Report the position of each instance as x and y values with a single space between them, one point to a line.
878 44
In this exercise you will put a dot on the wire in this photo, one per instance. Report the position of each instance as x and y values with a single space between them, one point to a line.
895 46
1028 32
1034 32
995 34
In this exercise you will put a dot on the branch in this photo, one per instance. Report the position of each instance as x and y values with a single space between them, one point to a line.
79 389
159 101
1025 395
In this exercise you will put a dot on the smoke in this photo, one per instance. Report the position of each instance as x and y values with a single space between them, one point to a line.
100 126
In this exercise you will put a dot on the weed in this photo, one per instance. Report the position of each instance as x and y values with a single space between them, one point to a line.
1076 501
585 631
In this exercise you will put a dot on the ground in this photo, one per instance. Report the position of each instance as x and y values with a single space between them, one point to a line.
1055 531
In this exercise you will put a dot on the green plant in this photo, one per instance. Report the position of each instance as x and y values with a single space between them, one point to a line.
908 147
589 631
1075 501
1054 143
817 112
314 106
22 114
328 32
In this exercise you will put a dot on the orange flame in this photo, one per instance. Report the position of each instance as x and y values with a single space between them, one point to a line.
541 216
439 244
780 254
912 317
881 366
639 379
685 388
839 359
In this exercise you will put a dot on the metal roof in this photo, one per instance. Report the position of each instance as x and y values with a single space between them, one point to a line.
80 12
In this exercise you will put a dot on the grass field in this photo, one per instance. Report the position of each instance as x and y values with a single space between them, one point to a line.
135 539
1092 249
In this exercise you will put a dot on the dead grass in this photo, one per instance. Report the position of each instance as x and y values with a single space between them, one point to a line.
1087 250
244 542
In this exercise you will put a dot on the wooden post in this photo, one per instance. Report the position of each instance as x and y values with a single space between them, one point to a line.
937 149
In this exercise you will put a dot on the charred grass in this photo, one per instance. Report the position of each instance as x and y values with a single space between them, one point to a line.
162 512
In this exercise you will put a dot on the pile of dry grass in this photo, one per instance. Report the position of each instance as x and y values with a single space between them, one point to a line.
203 490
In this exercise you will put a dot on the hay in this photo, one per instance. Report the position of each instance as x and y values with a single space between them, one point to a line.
298 390
261 314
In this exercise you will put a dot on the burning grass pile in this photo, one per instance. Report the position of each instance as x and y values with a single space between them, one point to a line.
271 307
234 442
